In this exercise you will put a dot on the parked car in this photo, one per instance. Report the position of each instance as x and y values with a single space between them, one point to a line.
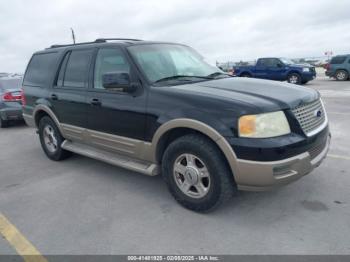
159 108
280 69
10 100
339 67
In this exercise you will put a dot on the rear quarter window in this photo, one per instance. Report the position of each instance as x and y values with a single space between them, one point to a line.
338 60
41 69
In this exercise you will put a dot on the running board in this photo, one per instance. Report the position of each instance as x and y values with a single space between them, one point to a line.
115 159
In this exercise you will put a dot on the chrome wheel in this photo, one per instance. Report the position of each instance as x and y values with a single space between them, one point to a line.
191 176
50 139
293 79
341 75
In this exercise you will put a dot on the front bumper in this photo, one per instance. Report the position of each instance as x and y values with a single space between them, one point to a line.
261 176
308 76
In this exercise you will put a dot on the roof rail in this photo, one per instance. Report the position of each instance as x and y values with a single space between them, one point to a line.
102 40
99 40
82 43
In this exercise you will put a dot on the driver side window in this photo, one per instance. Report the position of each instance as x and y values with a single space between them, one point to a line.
109 60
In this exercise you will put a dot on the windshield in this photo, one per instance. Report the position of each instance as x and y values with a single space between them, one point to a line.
286 61
171 62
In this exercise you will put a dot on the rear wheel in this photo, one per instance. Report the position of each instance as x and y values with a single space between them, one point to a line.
341 75
3 123
197 174
294 78
51 139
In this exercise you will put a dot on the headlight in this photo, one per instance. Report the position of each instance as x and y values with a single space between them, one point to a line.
263 125
306 69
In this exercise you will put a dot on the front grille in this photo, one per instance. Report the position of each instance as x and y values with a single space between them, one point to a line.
316 150
311 116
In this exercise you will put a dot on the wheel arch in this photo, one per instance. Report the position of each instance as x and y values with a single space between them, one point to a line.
179 127
43 110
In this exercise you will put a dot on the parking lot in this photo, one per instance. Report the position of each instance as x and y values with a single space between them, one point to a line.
83 206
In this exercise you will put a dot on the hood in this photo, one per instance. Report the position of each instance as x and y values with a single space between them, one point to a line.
262 95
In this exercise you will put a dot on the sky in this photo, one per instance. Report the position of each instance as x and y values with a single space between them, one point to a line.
220 30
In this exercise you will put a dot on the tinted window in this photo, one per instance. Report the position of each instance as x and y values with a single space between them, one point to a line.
40 69
269 62
338 60
109 60
77 68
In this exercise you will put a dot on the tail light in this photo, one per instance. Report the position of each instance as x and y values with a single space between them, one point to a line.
9 97
23 98
327 66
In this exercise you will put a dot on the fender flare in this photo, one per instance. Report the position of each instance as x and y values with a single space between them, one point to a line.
201 127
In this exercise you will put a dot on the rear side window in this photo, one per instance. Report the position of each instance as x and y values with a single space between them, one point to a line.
338 60
41 69
76 69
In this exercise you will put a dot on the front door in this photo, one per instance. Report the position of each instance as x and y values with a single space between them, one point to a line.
116 119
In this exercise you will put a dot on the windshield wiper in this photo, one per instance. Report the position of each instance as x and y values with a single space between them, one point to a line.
216 74
176 77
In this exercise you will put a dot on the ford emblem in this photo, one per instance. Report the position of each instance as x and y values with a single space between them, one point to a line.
318 113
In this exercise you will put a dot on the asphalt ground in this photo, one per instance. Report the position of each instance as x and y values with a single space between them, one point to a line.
83 206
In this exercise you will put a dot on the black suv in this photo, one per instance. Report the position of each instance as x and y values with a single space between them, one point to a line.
159 108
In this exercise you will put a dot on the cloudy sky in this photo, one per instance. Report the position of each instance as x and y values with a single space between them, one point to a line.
219 29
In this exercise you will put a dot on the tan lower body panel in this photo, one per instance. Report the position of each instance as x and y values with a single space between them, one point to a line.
262 176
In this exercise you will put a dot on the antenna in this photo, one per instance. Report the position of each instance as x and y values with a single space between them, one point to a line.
73 35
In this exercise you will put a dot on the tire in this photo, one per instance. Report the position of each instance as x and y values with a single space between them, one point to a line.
3 123
51 140
217 181
294 78
341 75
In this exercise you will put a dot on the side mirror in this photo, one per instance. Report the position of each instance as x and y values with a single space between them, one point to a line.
279 65
118 82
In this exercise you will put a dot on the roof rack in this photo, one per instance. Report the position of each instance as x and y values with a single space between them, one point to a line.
102 40
99 40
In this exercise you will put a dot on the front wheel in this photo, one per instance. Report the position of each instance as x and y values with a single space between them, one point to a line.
294 78
51 139
197 174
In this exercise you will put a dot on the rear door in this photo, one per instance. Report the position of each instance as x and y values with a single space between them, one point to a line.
68 96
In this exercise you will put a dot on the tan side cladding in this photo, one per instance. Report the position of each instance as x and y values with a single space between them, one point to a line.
137 148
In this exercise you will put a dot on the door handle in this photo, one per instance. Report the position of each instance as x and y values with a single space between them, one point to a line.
54 97
95 102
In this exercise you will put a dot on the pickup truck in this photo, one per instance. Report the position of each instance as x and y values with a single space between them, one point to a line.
280 69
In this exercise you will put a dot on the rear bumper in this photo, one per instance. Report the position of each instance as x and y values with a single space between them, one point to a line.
329 73
262 176
11 114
